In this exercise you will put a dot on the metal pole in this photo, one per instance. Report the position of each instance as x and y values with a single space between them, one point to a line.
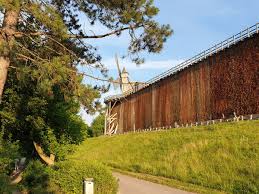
257 25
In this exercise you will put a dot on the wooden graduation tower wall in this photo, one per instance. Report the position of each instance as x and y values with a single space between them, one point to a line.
221 80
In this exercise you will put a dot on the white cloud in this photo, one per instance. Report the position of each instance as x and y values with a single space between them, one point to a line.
87 118
155 64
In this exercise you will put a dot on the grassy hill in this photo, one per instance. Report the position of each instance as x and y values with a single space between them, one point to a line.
224 156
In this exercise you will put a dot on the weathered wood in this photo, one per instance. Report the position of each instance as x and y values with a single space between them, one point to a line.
214 88
49 160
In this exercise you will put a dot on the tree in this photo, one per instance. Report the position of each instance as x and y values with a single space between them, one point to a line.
97 127
41 41
54 24
29 115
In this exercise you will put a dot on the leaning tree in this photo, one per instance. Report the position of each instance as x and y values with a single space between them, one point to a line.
45 41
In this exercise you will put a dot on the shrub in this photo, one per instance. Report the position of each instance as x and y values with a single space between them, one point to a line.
35 178
8 152
97 127
68 175
5 184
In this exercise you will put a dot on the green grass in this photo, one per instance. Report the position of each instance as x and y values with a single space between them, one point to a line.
224 157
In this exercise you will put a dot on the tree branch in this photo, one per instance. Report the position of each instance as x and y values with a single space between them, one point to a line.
20 34
73 71
104 35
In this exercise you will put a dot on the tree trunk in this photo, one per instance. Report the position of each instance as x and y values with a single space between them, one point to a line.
49 160
6 44
4 64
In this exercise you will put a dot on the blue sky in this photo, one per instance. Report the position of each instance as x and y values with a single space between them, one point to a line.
197 26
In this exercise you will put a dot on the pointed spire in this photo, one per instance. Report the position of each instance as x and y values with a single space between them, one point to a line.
124 70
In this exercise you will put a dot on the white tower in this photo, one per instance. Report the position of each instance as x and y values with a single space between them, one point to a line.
126 86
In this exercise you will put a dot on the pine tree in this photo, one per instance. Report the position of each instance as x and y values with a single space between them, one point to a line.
42 41
54 25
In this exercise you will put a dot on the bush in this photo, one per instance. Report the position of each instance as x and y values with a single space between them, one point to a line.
8 152
97 127
68 175
35 177
5 184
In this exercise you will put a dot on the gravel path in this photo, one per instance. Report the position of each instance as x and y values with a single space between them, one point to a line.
131 185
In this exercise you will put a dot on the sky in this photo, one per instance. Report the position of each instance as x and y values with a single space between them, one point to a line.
197 26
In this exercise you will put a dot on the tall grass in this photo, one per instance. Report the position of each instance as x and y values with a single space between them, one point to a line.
223 156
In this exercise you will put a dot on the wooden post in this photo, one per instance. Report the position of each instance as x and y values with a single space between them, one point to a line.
109 114
105 122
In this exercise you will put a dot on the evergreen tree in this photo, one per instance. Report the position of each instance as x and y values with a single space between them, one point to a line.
41 47
52 29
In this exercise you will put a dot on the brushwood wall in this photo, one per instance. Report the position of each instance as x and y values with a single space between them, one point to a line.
223 83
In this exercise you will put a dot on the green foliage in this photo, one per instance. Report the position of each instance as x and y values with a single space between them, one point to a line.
97 127
222 156
49 17
8 152
5 184
35 178
59 18
68 175
27 114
